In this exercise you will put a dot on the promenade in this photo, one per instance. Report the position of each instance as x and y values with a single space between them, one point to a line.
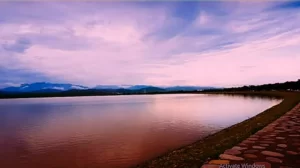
275 146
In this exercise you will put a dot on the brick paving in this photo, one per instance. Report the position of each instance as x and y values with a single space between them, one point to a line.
276 145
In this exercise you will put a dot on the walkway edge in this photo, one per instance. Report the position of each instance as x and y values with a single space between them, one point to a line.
278 144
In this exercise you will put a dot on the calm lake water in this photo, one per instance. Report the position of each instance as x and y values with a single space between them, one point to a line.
112 131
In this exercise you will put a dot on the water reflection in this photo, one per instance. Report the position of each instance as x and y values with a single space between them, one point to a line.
112 131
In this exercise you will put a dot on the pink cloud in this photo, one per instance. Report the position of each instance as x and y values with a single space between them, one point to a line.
124 47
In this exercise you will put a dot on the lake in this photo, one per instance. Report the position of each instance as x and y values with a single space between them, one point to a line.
112 131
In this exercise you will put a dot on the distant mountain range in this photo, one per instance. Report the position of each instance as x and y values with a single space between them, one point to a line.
45 87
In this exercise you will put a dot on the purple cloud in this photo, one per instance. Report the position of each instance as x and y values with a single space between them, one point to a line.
156 43
19 46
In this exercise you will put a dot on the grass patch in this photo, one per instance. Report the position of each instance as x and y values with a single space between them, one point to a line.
210 147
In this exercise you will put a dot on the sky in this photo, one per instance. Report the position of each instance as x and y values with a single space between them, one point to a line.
216 43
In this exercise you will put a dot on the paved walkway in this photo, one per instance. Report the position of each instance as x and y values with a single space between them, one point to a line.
277 145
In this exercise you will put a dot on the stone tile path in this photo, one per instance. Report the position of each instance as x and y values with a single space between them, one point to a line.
277 145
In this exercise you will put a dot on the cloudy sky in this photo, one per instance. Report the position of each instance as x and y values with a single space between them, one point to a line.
159 43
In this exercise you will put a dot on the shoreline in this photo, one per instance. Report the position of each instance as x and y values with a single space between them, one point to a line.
34 95
196 154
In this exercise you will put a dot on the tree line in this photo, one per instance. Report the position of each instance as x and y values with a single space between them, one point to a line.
286 86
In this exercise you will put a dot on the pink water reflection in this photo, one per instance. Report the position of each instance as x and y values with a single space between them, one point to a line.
108 132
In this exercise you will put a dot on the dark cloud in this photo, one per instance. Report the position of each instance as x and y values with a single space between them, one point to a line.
19 46
289 5
20 76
